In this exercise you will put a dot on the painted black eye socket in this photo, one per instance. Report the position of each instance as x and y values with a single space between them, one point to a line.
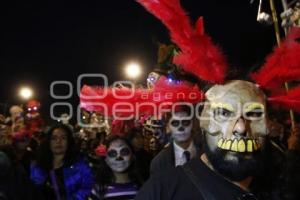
112 153
157 133
125 152
186 122
254 114
175 123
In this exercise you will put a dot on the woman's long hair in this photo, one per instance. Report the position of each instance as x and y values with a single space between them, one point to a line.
105 174
45 155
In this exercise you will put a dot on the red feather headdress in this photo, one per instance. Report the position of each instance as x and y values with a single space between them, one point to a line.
202 58
198 56
281 66
290 100
142 101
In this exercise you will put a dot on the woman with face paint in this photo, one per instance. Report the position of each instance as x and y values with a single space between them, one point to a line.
58 171
118 178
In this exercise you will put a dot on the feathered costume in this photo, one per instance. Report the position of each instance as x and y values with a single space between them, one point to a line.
200 57
164 94
281 66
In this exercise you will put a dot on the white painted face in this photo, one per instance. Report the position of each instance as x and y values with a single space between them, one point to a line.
119 156
181 126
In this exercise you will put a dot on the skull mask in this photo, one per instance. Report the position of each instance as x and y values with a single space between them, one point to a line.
234 122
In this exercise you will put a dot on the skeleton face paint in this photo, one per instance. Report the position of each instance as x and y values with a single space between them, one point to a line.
234 121
119 156
180 126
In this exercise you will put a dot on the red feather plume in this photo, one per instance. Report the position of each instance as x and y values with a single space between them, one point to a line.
104 99
199 55
282 65
163 94
291 100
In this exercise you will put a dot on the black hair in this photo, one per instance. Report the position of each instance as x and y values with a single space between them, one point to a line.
133 133
45 155
238 170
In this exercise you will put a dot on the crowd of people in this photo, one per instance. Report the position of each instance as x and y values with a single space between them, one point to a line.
102 160
223 141
113 160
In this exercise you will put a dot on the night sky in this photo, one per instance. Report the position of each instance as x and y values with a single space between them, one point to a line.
44 41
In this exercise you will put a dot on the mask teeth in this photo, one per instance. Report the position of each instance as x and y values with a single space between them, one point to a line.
228 144
241 145
234 146
220 142
250 145
224 144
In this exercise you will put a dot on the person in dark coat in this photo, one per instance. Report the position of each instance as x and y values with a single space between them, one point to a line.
14 182
239 162
182 147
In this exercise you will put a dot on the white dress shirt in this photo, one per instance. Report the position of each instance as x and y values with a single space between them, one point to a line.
180 158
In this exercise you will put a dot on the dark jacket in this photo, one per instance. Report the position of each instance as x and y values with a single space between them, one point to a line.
78 179
165 159
14 182
279 180
175 185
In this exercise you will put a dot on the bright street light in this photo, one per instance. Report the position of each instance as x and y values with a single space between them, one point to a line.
26 93
133 70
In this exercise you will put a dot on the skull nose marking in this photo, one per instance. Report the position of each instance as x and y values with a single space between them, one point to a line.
119 158
181 128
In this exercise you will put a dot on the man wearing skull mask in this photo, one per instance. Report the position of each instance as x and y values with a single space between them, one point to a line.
182 147
234 127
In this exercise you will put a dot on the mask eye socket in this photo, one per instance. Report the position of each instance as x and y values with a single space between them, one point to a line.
175 123
157 133
222 114
256 114
112 153
125 152
186 122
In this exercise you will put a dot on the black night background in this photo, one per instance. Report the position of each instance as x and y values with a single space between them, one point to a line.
44 41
